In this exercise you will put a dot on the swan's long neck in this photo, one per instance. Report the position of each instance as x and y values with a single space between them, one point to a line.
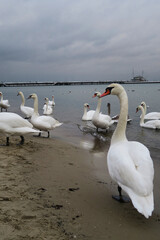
85 111
145 109
1 97
120 131
142 116
36 106
98 106
23 100
46 105
109 109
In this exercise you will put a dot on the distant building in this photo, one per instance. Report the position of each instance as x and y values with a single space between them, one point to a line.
138 79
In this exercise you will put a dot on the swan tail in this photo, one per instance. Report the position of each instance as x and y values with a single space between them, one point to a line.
143 204
24 130
58 124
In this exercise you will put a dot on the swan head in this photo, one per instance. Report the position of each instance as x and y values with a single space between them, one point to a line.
140 107
96 94
86 105
33 95
19 93
143 104
114 89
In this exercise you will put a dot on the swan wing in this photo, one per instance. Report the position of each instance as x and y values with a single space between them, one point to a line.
152 115
28 111
88 116
14 120
45 122
154 124
105 117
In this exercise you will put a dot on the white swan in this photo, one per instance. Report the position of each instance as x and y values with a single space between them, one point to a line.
87 116
101 120
13 124
129 162
4 103
43 123
151 115
28 111
154 124
47 109
52 102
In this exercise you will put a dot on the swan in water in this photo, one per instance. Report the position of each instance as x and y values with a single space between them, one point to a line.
43 123
151 115
52 102
13 124
28 111
47 109
116 117
87 116
101 120
154 124
129 162
4 103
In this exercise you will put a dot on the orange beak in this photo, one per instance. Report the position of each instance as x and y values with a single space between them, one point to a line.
105 93
95 95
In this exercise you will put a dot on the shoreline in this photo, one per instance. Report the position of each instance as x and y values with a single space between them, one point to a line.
53 190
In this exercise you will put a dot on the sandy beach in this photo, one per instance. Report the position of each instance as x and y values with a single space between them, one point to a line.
51 190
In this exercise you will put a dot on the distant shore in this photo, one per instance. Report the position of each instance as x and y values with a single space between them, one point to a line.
26 84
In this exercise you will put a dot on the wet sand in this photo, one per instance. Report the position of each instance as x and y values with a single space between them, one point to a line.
51 190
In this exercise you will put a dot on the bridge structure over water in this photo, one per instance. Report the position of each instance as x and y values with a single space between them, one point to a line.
26 84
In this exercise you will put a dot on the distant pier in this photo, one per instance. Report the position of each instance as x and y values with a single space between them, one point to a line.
27 84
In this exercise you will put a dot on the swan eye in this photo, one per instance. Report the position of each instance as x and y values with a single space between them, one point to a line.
109 89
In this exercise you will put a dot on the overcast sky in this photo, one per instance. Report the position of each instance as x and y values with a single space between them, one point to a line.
79 40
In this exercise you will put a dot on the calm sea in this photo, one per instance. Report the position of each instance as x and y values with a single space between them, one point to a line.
69 110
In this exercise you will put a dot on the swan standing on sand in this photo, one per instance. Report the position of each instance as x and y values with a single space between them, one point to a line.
4 103
13 124
28 111
129 162
43 123
151 115
101 120
87 116
154 124
47 109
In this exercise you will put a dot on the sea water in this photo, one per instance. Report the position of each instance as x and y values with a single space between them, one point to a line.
69 110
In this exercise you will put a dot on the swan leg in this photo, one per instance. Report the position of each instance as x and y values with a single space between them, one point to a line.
7 141
22 140
120 197
48 134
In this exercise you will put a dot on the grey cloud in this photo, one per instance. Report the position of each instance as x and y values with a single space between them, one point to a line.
81 40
